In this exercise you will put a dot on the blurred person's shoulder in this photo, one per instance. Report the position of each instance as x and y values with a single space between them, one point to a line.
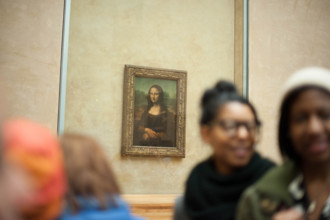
278 177
90 209
273 186
261 200
200 168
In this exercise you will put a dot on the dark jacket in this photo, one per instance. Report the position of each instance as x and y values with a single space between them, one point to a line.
270 194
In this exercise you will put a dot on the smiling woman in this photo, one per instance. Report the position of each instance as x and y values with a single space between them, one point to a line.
230 125
300 188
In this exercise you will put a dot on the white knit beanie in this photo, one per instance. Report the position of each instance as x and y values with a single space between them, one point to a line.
310 76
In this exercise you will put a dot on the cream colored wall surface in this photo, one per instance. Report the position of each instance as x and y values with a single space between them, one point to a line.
196 36
283 36
30 45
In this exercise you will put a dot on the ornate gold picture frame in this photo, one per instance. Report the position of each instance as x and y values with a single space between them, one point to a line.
154 112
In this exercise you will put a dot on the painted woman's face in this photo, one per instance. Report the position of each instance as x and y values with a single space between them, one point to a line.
310 126
154 95
232 135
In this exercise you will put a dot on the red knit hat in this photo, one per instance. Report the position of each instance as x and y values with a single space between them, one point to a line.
36 150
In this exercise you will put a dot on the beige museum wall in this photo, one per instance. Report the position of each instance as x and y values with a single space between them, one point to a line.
196 36
30 45
283 37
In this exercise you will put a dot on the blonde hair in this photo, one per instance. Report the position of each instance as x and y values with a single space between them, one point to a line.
88 171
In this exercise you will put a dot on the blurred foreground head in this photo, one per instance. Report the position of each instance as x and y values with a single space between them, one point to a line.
12 187
304 126
35 150
88 171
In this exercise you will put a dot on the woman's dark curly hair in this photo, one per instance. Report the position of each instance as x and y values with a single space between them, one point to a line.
216 97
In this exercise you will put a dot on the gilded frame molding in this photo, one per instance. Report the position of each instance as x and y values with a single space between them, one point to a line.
127 148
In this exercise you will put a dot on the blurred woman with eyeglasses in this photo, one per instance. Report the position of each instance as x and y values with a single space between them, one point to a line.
230 125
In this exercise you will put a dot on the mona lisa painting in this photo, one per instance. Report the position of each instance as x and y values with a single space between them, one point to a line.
154 112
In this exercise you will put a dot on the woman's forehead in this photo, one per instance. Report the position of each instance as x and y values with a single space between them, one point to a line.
235 111
311 97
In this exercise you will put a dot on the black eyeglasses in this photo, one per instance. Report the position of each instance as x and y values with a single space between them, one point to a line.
231 127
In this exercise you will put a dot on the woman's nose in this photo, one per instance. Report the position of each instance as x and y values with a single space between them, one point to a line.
315 125
242 132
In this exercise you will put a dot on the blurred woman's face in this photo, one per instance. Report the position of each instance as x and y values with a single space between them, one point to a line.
154 95
232 135
310 126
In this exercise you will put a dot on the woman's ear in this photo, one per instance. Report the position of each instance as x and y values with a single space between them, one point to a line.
205 133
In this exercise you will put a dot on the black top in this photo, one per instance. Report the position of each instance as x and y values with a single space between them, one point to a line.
211 195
